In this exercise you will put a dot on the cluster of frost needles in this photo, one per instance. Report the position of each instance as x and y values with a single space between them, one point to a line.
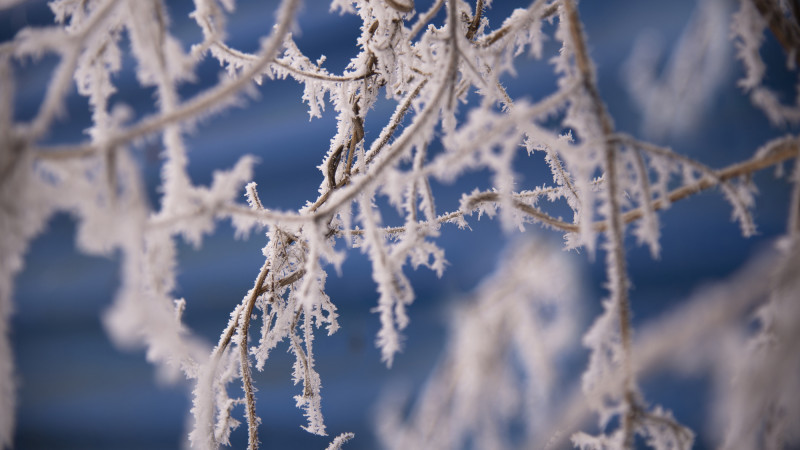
499 367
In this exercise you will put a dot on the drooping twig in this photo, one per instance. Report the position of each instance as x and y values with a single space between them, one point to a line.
500 33
667 338
775 153
200 104
614 233
58 88
244 359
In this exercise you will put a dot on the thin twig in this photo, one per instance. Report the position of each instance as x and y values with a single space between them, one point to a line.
425 19
200 104
378 145
301 355
615 232
782 151
58 88
297 73
244 359
283 282
669 337
734 197
495 36
644 182
476 20
216 355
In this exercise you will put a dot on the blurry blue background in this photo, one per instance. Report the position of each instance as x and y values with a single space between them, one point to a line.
77 391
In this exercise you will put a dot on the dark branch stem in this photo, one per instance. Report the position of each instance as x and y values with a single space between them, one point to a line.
476 20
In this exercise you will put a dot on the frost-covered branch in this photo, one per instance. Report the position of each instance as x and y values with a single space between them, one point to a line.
443 71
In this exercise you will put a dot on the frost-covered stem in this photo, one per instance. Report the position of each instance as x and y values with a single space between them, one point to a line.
474 202
244 360
615 259
778 153
404 139
357 136
774 153
556 162
397 147
735 198
452 75
301 354
619 290
299 74
58 88
668 338
476 20
424 19
205 101
203 410
379 144
551 10
491 197
786 31
394 122
283 282
337 443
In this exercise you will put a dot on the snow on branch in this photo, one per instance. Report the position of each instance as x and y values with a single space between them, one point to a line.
443 72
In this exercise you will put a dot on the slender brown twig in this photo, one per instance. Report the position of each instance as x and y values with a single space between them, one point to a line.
614 232
378 145
476 20
244 359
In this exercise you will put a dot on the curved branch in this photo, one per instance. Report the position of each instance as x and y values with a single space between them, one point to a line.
615 233
244 359
201 103
377 145
501 32
58 88
476 20
397 147
780 151
298 73
424 19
